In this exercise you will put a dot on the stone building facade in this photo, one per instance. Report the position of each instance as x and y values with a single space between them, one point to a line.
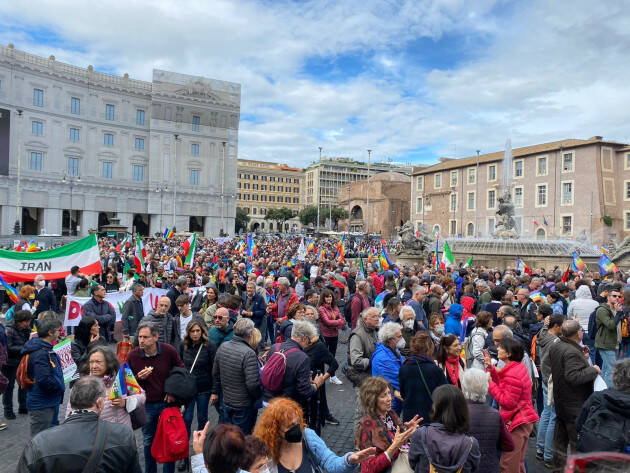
262 186
80 147
559 189
388 205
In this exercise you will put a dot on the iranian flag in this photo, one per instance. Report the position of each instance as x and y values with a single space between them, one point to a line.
189 249
447 256
124 243
52 264
139 255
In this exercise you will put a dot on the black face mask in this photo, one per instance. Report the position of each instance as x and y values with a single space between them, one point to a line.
294 434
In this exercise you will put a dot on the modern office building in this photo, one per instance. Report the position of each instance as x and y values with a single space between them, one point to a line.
262 186
79 147
559 189
324 178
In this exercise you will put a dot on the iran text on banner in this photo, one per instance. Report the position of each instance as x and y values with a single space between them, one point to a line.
53 264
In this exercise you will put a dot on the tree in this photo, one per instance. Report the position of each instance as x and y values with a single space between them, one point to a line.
337 213
279 215
241 220
308 215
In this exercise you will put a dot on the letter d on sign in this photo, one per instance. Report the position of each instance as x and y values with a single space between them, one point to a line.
75 310
153 300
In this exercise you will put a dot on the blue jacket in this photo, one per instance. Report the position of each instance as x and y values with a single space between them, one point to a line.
386 364
453 324
45 368
259 308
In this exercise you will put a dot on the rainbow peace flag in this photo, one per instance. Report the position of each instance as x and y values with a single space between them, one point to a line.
32 247
124 383
384 260
168 234
606 265
577 264
11 292
321 255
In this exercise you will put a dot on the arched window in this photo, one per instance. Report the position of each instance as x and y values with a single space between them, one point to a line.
470 229
436 229
540 234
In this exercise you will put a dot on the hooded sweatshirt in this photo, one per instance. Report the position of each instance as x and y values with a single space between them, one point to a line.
453 324
582 306
446 451
45 368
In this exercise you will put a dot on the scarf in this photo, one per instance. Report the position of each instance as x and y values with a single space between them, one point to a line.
452 369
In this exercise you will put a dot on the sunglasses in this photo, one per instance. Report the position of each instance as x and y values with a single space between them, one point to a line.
219 317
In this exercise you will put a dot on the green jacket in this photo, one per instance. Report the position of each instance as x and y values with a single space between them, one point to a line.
606 336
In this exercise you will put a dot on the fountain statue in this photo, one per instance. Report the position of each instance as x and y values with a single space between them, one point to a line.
505 227
414 244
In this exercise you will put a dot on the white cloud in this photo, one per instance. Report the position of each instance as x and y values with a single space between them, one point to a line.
548 70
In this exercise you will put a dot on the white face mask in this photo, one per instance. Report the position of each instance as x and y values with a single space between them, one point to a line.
41 283
409 324
439 330
401 344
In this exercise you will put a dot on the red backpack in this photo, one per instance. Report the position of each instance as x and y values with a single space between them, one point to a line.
273 372
171 437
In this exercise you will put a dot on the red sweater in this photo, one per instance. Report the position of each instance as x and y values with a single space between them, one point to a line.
165 359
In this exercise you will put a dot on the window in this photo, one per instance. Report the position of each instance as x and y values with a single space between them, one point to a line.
419 205
272 188
567 193
246 185
540 234
491 226
437 181
280 189
194 149
453 178
139 117
263 187
470 229
73 166
492 172
453 205
108 139
627 197
453 227
567 224
491 198
420 182
541 195
75 106
37 128
38 97
471 201
472 175
272 198
280 198
296 200
35 164
541 166
567 162
255 187
74 134
138 172
109 112
518 168
627 162
436 229
106 171
196 121
194 177
139 144
296 190
518 197
255 210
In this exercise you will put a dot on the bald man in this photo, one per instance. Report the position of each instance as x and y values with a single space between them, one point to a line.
165 322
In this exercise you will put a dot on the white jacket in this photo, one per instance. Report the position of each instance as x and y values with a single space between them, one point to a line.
582 306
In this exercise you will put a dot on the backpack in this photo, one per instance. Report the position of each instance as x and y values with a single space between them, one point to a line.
604 430
8 316
347 308
592 324
21 376
272 377
171 437
469 356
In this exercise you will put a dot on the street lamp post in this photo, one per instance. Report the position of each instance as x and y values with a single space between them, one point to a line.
319 188
223 190
175 180
367 207
161 189
71 180
348 207
18 194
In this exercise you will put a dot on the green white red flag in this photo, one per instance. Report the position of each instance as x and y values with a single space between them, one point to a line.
189 249
447 256
52 264
139 255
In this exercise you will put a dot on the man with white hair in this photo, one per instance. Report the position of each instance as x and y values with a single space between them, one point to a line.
284 299
297 384
44 295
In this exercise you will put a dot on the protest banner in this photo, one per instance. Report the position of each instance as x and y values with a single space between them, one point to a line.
64 352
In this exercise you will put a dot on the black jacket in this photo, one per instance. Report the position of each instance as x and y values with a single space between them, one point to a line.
104 313
15 341
166 327
203 367
416 398
528 314
46 300
297 374
173 293
487 427
321 357
259 308
51 452
132 313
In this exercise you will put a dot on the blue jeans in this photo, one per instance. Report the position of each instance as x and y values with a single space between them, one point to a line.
609 358
202 400
546 427
245 418
153 409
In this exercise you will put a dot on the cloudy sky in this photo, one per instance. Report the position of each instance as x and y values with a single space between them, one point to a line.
411 80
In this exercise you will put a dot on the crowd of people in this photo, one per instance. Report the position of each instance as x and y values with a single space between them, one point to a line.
453 368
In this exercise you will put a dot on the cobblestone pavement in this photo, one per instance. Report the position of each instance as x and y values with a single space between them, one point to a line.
339 438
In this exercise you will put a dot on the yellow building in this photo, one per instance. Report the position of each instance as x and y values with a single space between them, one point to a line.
262 186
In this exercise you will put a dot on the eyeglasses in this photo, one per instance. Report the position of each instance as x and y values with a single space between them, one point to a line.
614 295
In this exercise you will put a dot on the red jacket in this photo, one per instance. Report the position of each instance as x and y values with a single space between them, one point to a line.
512 389
376 282
330 320
293 298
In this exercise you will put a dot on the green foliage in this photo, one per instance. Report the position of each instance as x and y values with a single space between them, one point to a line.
308 215
279 215
241 220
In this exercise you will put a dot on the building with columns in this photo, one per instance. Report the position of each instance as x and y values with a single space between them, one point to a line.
262 186
559 189
79 147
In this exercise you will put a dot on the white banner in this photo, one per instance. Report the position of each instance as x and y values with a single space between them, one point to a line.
74 305
64 352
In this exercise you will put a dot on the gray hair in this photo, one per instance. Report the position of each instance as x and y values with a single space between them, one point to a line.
475 385
153 328
181 281
260 280
136 287
85 392
303 328
388 331
482 283
284 281
504 329
621 375
367 311
243 327
406 308
570 328
418 289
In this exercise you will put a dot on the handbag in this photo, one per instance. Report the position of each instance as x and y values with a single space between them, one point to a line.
139 418
424 381
401 464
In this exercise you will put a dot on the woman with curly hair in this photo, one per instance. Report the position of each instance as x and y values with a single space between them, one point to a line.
285 326
295 448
